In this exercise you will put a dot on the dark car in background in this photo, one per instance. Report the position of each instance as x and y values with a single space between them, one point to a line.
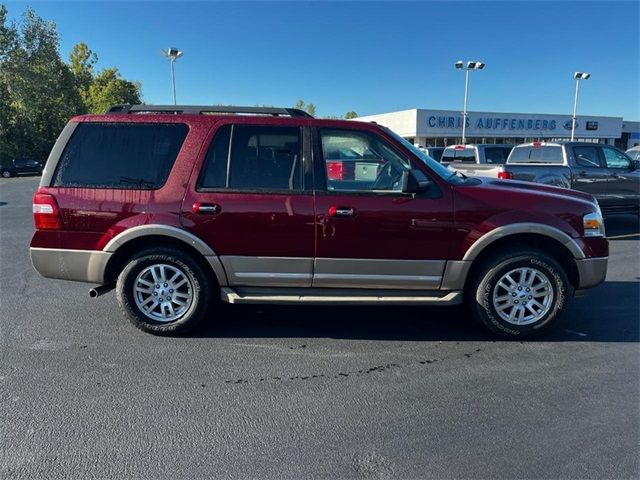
601 170
21 166
434 152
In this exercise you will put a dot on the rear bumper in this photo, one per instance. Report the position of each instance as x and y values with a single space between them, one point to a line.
77 265
591 271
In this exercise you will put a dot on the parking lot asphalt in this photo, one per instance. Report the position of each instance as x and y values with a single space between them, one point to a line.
292 392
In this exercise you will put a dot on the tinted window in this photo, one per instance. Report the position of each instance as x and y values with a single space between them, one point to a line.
436 153
496 154
360 161
467 155
464 155
265 158
586 156
215 165
120 155
545 154
448 155
615 158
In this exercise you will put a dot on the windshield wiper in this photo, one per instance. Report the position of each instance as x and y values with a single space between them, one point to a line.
456 172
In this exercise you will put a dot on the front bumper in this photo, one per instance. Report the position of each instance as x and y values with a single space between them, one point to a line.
591 271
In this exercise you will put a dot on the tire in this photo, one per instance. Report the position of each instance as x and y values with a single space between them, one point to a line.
491 302
6 174
138 281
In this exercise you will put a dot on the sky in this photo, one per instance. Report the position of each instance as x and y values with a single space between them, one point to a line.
370 57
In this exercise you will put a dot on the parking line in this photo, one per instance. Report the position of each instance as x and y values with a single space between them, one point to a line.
624 236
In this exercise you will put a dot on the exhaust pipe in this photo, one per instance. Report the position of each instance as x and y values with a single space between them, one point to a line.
101 290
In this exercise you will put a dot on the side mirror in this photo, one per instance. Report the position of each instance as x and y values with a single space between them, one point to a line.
414 181
635 164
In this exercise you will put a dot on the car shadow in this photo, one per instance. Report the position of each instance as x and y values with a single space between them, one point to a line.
592 318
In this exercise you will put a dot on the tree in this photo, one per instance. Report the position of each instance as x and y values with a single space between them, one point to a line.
108 88
310 108
350 115
100 90
82 60
39 92
37 87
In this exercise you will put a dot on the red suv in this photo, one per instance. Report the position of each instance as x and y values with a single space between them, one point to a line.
178 207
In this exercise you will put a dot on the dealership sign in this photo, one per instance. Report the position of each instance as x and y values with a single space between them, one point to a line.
443 123
492 123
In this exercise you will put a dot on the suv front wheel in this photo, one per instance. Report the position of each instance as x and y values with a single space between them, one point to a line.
163 291
519 294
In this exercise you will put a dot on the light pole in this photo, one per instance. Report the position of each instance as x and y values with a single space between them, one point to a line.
172 54
470 66
578 76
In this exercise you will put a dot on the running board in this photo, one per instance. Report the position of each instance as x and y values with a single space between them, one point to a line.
337 296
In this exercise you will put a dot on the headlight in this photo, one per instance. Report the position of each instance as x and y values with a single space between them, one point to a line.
593 224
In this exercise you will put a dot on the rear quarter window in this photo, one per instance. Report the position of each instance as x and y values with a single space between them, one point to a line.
120 155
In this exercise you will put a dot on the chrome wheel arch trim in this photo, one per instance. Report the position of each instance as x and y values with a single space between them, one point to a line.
163 230
520 228
177 234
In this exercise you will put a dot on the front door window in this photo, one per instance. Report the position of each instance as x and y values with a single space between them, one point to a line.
358 161
615 159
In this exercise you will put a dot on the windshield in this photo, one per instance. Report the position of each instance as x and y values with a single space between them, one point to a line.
437 168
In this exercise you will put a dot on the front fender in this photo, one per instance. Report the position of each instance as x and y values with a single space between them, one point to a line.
511 223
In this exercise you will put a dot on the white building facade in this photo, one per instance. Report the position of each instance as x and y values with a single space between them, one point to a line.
444 127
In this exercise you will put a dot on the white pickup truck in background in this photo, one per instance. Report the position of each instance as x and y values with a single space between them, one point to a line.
482 160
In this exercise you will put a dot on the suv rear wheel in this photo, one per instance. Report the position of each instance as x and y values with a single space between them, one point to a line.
519 294
163 291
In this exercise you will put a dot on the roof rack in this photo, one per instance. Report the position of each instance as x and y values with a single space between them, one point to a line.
200 109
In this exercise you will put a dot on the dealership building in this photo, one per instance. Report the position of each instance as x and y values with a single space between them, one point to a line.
426 127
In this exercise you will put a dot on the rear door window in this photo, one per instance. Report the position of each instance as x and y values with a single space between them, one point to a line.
587 156
265 158
252 157
215 170
120 155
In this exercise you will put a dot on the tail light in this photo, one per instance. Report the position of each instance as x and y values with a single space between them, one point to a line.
335 170
46 213
505 175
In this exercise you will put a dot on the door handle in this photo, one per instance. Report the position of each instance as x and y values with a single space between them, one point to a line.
206 208
342 211
582 174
